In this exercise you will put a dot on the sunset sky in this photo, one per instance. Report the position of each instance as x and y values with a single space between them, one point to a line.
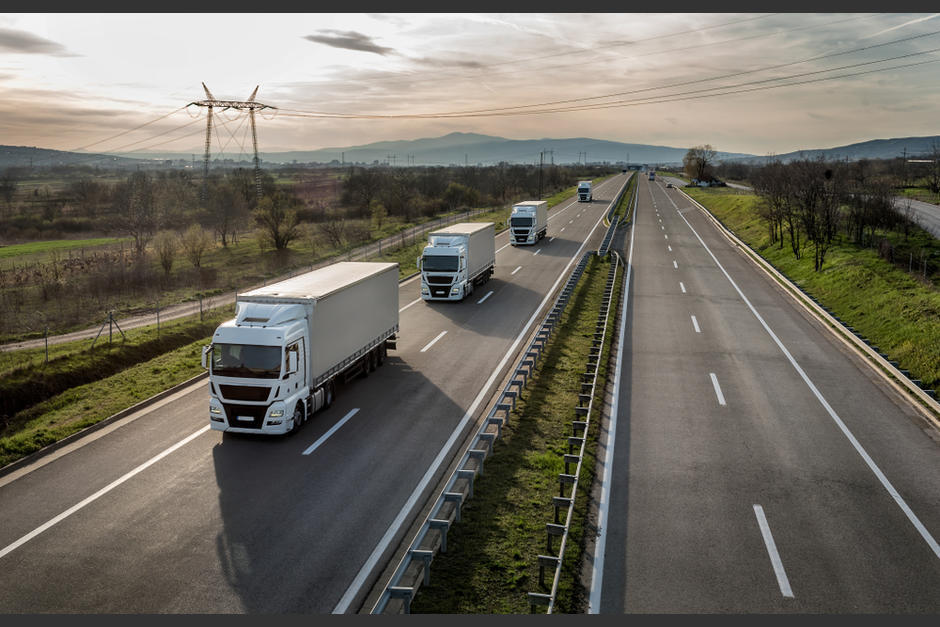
87 81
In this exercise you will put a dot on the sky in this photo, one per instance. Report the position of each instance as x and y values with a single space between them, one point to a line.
122 82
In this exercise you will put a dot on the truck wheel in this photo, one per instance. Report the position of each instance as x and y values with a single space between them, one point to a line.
373 359
383 352
328 393
298 418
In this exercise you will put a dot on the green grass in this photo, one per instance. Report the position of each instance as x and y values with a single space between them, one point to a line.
491 561
32 249
79 386
85 405
897 312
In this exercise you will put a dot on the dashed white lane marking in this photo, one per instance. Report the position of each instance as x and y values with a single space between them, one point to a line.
695 324
488 294
675 265
721 397
516 270
323 438
682 286
431 343
782 580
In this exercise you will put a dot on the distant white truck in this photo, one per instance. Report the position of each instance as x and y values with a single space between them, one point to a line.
456 259
584 192
277 362
528 222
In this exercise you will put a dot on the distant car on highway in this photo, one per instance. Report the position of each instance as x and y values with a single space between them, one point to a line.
670 185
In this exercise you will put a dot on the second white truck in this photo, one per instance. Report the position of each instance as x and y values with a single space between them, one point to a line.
584 192
528 222
277 362
456 259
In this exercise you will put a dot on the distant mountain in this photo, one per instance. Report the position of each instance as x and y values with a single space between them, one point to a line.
28 156
912 147
473 149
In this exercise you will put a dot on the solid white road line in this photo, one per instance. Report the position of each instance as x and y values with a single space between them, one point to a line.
153 460
516 270
488 294
682 286
606 470
536 252
782 580
323 438
695 324
675 265
434 467
417 300
431 343
721 397
911 516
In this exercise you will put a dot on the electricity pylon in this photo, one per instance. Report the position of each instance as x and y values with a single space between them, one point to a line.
240 105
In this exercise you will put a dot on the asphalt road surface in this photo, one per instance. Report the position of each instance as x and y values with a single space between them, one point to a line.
757 464
158 514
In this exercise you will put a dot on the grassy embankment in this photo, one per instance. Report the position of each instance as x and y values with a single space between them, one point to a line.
898 312
81 386
491 561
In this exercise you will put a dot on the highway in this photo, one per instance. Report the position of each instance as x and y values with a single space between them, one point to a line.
752 463
155 513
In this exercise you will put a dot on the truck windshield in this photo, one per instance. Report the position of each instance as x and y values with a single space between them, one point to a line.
584 190
246 360
439 263
521 221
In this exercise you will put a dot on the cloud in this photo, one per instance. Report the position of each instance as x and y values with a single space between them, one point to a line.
350 40
22 42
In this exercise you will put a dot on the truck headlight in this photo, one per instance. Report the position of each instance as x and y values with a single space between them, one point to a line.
215 410
276 413
424 291
455 290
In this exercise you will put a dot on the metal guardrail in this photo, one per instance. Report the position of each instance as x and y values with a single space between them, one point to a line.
578 438
608 238
415 565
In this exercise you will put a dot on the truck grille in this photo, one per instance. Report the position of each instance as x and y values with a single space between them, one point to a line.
440 280
254 413
245 392
439 291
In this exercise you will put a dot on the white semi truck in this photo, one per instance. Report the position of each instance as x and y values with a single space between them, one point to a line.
584 191
278 361
528 222
456 259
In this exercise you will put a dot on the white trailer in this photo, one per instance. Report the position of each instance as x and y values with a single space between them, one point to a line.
276 363
584 191
456 259
528 222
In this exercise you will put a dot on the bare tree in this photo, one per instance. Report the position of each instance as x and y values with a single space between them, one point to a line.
136 209
166 243
195 241
333 228
698 161
278 220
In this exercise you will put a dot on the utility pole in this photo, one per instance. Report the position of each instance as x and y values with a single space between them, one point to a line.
541 156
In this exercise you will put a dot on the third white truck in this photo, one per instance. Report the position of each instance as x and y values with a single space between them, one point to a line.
528 222
456 259
584 192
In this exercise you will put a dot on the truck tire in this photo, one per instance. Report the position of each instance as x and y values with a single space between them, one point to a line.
298 418
383 352
328 394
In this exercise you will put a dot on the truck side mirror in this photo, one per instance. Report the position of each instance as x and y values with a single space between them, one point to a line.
418 263
205 356
291 362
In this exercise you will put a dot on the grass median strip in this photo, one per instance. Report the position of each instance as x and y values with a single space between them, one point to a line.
491 562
